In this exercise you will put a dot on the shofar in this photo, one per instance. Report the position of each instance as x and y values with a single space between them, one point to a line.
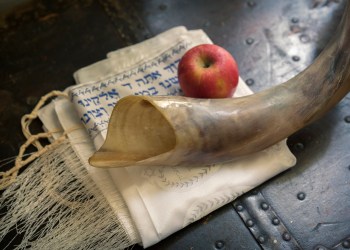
173 130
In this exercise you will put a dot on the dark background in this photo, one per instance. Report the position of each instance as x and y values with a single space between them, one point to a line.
43 42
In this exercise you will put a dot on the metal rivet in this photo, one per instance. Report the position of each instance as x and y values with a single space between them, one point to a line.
250 82
275 221
261 239
299 146
249 41
301 196
304 38
286 236
251 4
264 206
295 58
219 244
346 244
250 223
163 7
295 20
320 248
239 208
255 192
347 119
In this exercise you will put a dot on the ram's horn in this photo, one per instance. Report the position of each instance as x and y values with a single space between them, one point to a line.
178 130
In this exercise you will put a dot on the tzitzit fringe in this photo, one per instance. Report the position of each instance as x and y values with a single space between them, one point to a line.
54 203
8 177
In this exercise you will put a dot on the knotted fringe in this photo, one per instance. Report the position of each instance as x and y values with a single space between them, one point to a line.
9 177
54 204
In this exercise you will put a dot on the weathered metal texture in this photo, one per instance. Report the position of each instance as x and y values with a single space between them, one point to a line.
39 51
306 207
222 229
264 223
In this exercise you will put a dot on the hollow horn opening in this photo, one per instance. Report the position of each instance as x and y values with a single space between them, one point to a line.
137 131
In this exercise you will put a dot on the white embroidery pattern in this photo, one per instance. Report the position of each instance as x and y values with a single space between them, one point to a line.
178 178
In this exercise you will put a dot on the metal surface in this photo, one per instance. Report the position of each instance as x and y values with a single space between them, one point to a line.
44 42
264 223
222 229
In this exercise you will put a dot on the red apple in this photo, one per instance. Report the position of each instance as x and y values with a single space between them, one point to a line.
208 71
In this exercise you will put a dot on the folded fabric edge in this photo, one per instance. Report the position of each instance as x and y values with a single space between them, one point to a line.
157 41
108 67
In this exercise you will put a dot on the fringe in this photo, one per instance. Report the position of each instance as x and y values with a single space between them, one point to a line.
54 204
